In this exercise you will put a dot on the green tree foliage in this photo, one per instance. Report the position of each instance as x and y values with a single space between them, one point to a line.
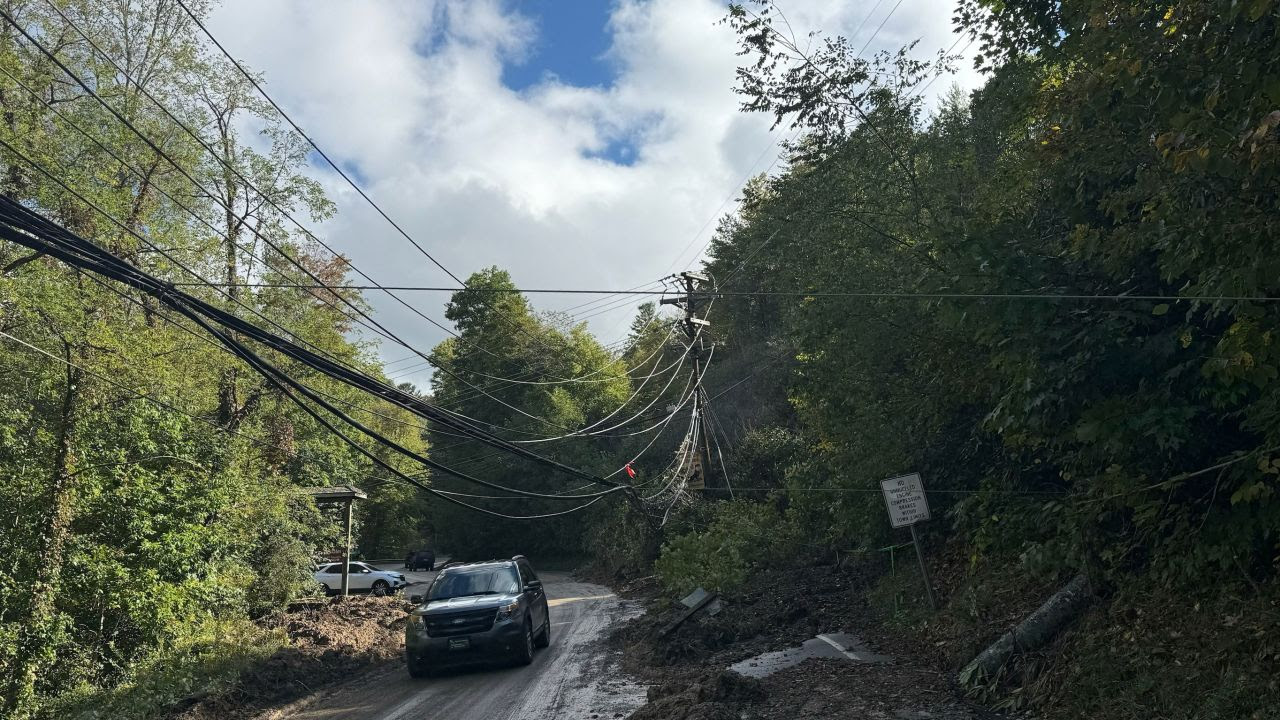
150 498
526 379
1115 150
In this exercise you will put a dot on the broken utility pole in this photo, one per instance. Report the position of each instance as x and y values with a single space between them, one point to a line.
693 327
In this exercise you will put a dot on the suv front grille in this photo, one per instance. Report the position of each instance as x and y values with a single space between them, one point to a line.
463 623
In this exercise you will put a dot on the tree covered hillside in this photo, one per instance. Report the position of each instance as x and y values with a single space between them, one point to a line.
148 503
1054 298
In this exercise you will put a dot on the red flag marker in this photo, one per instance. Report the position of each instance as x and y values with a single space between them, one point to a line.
630 470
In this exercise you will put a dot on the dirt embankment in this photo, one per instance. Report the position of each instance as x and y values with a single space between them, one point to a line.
779 610
327 642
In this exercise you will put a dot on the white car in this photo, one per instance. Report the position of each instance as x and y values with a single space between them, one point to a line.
360 578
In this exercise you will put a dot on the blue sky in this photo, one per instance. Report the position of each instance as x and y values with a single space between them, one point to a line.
571 47
573 39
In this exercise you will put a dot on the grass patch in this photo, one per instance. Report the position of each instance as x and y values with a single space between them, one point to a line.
205 663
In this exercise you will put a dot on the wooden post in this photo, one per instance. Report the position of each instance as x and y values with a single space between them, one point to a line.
924 570
347 496
346 549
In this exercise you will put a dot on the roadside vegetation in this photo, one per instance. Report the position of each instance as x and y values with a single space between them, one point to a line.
1047 297
1052 298
149 503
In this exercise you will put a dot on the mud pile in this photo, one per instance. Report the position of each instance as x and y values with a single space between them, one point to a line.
710 696
786 606
327 642
777 610
830 689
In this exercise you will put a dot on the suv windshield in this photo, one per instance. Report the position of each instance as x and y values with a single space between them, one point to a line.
460 582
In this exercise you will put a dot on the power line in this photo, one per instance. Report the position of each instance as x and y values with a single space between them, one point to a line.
443 494
878 29
853 102
934 79
737 188
248 183
223 234
774 144
203 282
33 231
816 294
195 183
314 146
262 91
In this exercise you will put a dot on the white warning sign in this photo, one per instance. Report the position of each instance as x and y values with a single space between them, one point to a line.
905 498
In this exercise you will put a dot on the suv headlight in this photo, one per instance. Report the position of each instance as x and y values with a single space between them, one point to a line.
506 611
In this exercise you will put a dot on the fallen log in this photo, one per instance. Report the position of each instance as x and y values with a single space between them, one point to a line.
1033 632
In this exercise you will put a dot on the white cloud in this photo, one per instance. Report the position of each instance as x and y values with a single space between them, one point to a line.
411 93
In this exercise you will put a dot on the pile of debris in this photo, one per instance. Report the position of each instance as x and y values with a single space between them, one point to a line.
785 607
327 642
710 696
800 642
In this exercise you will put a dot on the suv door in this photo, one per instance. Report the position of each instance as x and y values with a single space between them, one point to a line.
359 577
537 596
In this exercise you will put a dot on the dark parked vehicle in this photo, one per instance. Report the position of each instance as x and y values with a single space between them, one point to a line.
420 560
478 612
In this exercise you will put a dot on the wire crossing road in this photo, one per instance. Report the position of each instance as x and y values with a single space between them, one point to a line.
573 679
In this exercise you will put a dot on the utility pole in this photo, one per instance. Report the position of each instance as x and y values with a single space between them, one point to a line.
693 327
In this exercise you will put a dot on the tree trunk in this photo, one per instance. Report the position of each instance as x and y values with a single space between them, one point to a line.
1033 632
37 637
229 409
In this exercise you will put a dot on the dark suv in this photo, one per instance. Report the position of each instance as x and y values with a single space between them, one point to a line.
420 560
478 612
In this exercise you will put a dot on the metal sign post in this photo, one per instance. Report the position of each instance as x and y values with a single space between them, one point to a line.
905 498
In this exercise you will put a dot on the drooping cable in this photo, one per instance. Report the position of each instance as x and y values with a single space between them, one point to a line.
232 169
590 429
314 146
262 91
33 231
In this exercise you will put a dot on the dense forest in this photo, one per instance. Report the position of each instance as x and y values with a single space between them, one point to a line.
149 498
1053 297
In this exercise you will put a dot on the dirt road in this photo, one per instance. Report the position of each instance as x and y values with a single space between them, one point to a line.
574 679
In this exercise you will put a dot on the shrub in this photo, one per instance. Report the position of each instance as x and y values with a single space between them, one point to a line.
740 537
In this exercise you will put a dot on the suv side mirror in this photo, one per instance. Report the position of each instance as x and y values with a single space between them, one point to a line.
417 599
533 585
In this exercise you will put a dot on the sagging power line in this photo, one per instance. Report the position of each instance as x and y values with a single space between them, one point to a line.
24 227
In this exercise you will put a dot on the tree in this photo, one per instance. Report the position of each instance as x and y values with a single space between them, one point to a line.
1116 150
513 374
136 472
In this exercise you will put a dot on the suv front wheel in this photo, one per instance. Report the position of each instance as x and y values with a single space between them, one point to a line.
543 638
524 654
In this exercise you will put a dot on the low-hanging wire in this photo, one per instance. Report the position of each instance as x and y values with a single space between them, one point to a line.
213 153
37 233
